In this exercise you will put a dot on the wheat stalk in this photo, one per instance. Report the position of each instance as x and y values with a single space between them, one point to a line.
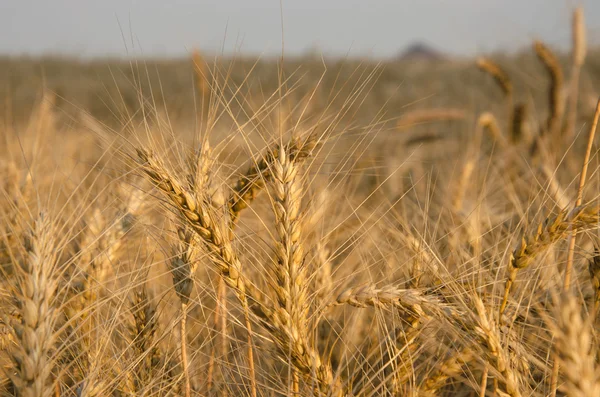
183 267
578 54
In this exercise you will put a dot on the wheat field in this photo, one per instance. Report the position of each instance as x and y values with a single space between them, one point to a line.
239 227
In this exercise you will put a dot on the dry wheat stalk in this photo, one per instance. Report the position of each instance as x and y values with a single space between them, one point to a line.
555 100
463 184
202 74
183 267
579 50
552 230
203 221
202 179
35 294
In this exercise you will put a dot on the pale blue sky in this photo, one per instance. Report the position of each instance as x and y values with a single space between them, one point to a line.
360 27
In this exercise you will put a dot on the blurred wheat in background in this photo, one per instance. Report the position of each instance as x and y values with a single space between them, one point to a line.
220 226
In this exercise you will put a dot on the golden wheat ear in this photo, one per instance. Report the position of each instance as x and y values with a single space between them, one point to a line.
34 327
556 77
553 229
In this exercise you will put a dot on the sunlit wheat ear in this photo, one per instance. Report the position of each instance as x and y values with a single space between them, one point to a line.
486 329
290 269
142 330
552 230
487 121
574 347
253 181
206 225
35 297
213 231
412 300
555 75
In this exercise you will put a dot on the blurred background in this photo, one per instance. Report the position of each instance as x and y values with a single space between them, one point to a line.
417 54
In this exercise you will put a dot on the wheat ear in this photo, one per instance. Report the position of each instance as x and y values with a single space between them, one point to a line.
413 300
572 237
502 80
290 271
500 76
34 330
142 331
555 74
253 181
553 229
487 329
203 222
489 122
574 340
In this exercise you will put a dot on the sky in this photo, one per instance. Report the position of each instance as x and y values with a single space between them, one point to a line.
378 28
